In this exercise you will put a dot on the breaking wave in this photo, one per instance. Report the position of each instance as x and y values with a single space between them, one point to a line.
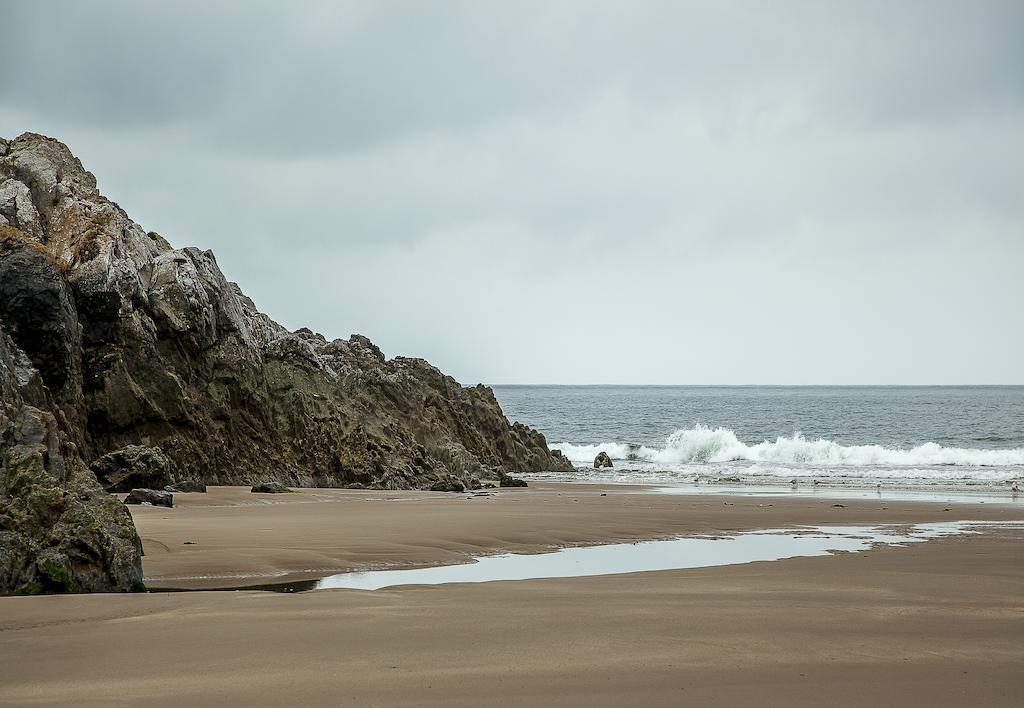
702 444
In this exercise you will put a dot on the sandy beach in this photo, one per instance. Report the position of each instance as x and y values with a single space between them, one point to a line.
597 354
937 623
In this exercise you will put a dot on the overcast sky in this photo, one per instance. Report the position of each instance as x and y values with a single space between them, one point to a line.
572 192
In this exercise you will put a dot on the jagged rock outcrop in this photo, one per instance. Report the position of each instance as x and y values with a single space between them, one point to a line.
602 460
142 344
59 530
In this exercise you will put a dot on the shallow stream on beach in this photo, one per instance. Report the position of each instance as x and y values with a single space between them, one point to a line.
672 554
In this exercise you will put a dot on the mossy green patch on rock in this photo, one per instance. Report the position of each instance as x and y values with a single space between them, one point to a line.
56 576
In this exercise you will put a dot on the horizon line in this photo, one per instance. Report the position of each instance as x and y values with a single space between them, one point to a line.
760 385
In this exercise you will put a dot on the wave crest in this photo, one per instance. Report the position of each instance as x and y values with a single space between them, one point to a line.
702 444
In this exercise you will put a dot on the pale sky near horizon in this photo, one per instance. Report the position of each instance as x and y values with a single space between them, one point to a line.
572 192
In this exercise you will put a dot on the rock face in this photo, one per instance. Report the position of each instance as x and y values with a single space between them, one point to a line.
59 530
602 460
119 351
145 345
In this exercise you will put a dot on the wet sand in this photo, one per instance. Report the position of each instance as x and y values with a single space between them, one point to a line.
939 623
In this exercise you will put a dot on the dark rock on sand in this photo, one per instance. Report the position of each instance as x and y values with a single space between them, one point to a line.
270 488
132 467
448 485
186 485
507 480
155 497
602 460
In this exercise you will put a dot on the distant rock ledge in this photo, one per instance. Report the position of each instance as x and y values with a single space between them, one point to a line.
119 342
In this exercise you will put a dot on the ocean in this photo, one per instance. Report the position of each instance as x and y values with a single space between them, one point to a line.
949 436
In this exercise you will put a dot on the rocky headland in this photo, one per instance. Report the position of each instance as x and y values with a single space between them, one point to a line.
125 362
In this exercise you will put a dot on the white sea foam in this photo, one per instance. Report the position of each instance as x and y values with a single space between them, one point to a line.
702 444
587 453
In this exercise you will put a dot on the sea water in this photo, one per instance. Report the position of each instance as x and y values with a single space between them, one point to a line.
966 437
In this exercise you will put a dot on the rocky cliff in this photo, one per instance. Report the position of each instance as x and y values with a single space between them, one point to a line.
142 344
59 530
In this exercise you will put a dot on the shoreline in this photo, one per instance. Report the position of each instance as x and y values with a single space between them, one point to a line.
230 538
997 490
933 623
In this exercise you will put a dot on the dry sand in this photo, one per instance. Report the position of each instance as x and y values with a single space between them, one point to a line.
937 623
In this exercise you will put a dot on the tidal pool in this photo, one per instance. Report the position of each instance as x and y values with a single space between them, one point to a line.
673 554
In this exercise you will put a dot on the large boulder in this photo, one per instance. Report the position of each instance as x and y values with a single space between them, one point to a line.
602 460
133 467
507 480
154 497
448 484
59 531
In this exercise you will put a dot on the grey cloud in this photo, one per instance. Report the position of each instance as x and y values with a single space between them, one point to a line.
313 77
798 192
